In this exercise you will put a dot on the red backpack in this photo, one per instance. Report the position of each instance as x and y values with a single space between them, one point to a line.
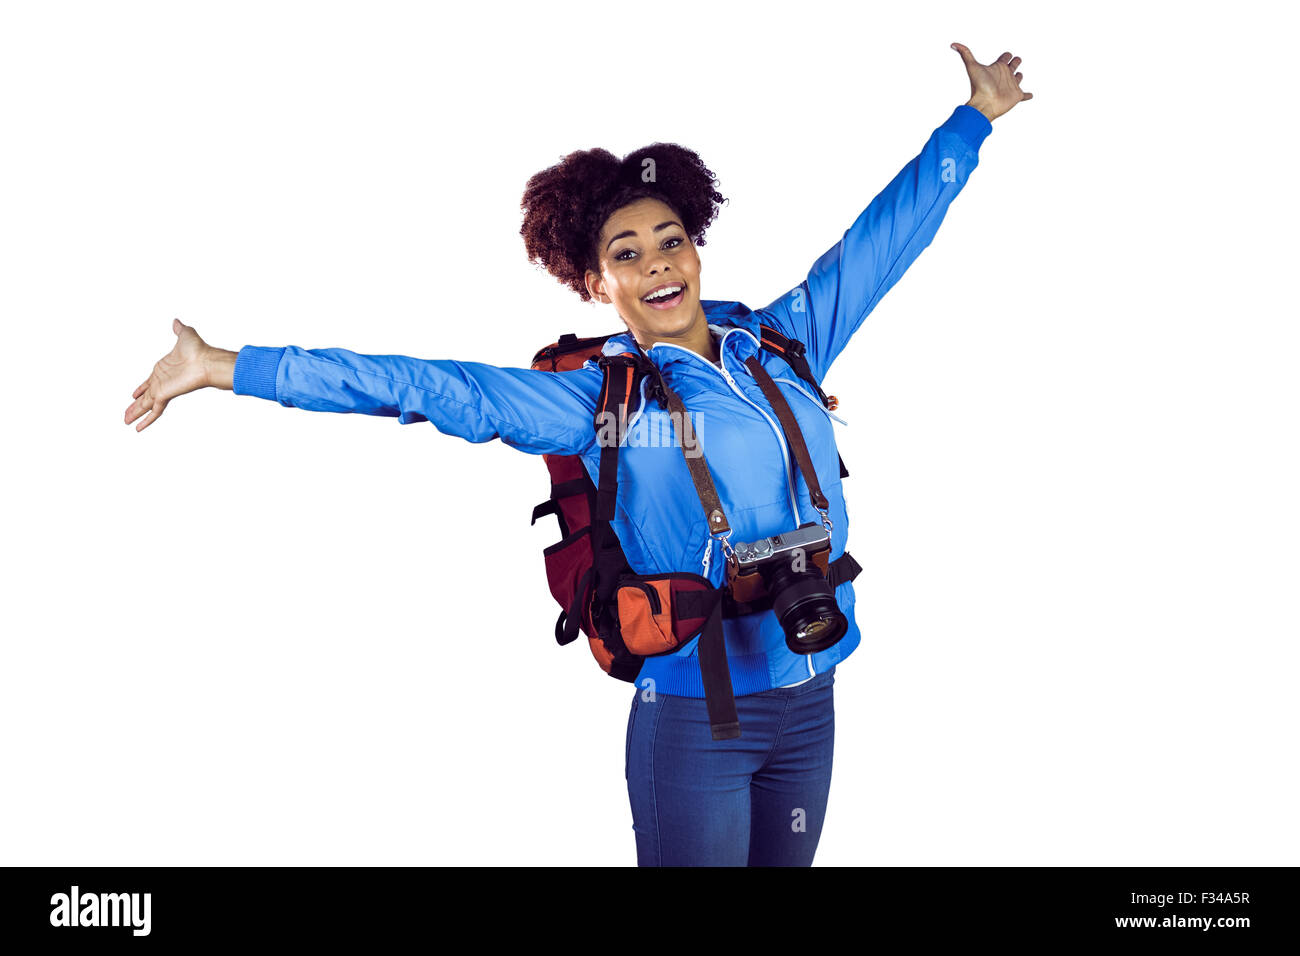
629 616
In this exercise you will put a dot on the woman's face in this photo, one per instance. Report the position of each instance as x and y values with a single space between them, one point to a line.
642 247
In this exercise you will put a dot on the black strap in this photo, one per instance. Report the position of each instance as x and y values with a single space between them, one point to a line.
609 561
607 554
547 507
572 616
571 487
690 604
564 489
844 568
724 722
719 698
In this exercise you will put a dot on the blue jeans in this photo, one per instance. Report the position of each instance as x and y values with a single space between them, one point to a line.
758 800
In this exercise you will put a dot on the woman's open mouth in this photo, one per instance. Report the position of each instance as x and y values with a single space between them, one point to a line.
668 297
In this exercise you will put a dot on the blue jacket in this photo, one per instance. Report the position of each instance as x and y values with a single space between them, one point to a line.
660 522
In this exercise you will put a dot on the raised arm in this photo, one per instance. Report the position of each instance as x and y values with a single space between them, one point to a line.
847 281
536 411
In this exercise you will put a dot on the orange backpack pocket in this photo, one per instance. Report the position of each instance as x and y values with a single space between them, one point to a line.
645 616
658 613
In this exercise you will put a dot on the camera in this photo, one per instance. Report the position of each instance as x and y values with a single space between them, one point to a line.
790 569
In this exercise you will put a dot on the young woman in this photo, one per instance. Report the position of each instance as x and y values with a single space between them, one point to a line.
625 232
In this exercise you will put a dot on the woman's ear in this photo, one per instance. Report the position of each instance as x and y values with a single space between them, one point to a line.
596 287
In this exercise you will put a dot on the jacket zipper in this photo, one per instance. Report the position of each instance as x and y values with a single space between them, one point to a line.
776 429
780 436
785 453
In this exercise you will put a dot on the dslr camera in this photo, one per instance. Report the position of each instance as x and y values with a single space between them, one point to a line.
790 569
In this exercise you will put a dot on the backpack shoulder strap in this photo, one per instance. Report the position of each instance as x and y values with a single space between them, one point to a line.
622 380
598 581
792 351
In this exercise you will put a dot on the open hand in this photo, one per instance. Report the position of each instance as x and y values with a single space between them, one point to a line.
995 88
183 369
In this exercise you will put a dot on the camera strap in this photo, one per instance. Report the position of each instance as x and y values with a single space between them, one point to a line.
686 440
792 433
714 514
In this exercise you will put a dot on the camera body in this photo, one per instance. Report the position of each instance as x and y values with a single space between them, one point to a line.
791 569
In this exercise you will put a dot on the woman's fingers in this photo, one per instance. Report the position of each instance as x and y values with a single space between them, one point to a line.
154 413
1013 64
148 396
137 408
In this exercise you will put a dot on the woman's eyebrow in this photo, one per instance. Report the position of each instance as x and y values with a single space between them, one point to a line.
632 232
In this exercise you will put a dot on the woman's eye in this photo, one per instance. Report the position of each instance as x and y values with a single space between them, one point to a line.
676 240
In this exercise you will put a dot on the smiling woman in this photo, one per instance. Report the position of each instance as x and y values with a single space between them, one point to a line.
638 254
625 232
641 219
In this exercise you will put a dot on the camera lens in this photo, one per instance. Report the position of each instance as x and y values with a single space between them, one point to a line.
804 603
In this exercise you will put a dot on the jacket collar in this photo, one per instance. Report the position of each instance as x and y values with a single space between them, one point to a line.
723 317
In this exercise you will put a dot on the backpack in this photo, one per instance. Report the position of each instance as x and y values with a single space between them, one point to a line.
628 616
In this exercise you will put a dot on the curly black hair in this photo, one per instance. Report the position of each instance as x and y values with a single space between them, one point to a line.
565 206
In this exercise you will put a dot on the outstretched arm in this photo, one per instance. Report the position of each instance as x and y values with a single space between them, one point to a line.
849 279
536 411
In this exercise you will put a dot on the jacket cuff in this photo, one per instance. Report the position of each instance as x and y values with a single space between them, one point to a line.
970 124
255 370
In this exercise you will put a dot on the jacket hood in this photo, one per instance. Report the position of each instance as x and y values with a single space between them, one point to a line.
723 315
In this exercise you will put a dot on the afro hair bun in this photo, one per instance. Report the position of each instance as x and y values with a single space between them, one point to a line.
566 205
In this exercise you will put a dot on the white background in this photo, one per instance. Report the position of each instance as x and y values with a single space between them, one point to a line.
258 635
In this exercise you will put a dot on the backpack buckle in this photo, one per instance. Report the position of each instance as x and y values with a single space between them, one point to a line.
631 361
